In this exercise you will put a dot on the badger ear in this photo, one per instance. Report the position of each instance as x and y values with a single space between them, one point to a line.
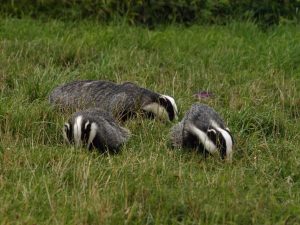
87 125
66 126
86 132
212 130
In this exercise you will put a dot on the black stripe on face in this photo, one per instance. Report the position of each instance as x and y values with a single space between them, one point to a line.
217 138
168 106
212 134
221 144
85 132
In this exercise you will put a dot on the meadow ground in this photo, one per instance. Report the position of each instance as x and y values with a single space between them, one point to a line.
255 78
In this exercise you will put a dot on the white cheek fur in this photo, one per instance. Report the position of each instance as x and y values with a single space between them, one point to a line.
157 109
93 133
77 131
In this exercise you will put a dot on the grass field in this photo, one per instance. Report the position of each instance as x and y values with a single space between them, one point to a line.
255 78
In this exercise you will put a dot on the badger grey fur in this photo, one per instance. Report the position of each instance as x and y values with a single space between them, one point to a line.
123 100
203 128
94 128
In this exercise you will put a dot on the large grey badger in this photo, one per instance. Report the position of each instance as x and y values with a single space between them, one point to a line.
122 100
93 128
203 128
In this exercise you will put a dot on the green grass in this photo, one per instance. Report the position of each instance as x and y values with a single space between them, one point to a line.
254 75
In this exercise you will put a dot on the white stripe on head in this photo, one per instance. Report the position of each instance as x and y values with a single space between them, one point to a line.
77 131
66 126
93 133
173 104
157 109
203 138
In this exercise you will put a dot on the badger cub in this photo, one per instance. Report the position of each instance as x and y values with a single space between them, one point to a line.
204 129
93 128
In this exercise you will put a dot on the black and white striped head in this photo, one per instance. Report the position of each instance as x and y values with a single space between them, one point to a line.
81 132
214 139
165 108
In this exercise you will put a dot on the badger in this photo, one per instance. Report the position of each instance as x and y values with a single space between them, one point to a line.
203 128
122 100
94 128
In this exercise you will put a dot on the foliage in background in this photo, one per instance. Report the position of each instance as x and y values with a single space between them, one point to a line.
152 12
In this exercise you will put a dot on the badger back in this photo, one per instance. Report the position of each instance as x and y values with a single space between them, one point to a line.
123 100
82 94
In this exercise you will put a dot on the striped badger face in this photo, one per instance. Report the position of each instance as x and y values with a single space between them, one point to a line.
81 133
214 139
165 108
